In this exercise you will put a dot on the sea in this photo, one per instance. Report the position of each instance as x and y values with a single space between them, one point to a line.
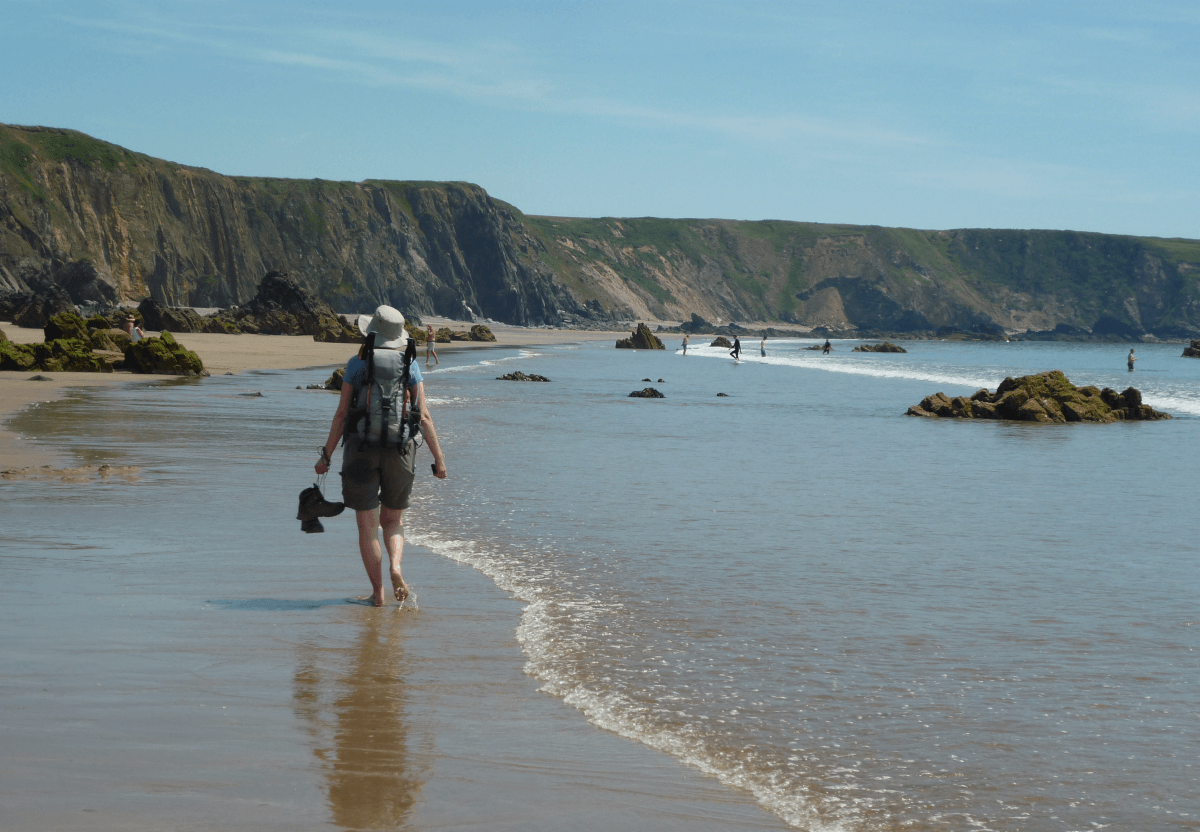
859 619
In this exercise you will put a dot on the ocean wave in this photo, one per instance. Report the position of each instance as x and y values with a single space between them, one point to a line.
547 652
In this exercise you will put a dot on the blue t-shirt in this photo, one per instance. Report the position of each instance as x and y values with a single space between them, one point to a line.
356 373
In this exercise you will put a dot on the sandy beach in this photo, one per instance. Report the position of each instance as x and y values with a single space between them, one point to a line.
221 354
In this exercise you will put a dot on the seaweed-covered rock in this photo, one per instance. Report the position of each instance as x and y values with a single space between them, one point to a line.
641 339
479 332
66 325
1046 397
18 357
69 355
416 333
334 382
163 356
98 321
647 393
519 376
443 335
886 346
722 341
1193 351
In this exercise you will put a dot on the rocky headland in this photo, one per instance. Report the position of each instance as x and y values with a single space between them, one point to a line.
99 225
1046 397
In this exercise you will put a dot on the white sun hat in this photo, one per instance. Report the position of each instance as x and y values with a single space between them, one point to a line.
388 325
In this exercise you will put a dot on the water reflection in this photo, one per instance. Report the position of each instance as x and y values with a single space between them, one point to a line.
352 701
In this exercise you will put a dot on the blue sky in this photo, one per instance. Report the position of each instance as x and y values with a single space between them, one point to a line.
970 113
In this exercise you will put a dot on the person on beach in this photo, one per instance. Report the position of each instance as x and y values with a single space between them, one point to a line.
737 349
1132 358
134 331
685 343
430 349
825 349
762 346
377 481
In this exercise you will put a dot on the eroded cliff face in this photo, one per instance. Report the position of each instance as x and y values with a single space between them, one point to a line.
103 222
188 236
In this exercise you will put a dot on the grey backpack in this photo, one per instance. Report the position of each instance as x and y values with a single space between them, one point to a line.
377 417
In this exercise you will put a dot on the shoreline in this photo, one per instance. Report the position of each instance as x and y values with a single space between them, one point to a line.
222 355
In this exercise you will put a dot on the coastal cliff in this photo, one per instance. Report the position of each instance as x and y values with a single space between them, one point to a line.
107 223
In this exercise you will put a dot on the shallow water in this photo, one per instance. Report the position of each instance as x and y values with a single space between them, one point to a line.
867 621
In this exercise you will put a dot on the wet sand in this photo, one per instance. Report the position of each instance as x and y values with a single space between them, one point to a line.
178 656
221 354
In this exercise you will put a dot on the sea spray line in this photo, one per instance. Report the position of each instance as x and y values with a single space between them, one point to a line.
613 711
1162 400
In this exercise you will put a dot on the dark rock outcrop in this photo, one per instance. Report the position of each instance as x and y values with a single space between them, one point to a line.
1193 351
886 346
66 325
519 376
479 332
159 318
334 382
1046 397
641 339
646 393
722 341
283 307
34 310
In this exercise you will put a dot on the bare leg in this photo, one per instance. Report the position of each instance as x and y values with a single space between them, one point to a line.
392 521
368 547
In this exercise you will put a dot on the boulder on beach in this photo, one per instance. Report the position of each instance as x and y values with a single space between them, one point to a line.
886 346
641 339
1046 397
283 307
163 356
479 332
647 393
721 341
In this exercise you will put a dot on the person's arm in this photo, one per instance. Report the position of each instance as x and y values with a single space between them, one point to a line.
335 429
430 434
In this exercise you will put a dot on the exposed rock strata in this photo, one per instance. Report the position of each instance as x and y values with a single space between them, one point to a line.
641 339
1046 397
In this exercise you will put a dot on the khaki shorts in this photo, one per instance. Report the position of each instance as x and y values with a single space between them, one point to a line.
374 475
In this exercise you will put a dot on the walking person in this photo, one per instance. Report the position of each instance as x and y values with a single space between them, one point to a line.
762 346
377 478
737 349
685 343
1132 358
825 349
430 348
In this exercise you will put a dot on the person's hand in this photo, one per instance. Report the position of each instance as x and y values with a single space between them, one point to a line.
439 470
321 468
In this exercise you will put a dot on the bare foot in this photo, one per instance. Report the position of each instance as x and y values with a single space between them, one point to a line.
400 588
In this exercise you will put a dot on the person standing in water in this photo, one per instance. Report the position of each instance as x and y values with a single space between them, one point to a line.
430 349
377 480
762 346
1132 358
825 349
685 343
737 349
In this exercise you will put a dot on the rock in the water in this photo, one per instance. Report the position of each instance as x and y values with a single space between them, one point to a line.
647 393
519 376
163 356
334 382
1193 351
641 339
1046 397
722 395
722 341
886 346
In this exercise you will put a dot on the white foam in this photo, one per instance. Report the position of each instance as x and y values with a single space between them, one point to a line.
546 648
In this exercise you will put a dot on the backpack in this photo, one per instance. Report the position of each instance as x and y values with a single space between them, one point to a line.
377 413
